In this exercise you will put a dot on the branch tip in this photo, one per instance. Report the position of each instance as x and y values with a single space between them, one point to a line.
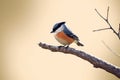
107 13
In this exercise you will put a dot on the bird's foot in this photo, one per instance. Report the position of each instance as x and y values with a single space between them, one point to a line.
60 46
64 46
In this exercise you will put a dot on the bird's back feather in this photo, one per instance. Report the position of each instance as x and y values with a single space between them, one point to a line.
70 34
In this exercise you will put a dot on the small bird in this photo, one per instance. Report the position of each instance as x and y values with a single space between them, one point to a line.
64 36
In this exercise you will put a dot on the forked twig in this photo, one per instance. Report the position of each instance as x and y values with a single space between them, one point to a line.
106 20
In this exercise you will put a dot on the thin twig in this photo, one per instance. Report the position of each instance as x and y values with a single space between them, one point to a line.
100 14
101 29
119 31
97 63
106 20
107 13
119 28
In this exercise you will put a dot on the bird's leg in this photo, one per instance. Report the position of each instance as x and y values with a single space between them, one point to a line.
67 46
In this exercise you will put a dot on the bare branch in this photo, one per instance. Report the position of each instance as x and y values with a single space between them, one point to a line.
119 32
119 28
106 20
100 14
107 13
97 63
101 29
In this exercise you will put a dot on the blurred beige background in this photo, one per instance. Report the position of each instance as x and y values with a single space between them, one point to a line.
25 23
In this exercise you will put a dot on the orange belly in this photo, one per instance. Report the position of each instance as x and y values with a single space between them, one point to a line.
64 37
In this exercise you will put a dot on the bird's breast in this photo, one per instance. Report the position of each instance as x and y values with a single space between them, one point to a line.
63 38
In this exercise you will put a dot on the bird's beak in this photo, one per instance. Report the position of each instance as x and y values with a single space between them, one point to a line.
51 32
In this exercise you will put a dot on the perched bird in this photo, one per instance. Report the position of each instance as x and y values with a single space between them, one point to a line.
64 36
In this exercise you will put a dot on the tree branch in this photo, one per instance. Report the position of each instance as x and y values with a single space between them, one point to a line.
119 31
97 63
106 20
100 15
107 13
101 29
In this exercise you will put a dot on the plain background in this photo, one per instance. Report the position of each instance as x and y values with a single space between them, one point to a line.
25 23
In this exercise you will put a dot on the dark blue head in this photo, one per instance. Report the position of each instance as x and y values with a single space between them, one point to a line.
56 26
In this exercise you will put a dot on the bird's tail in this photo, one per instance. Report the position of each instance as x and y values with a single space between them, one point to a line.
78 43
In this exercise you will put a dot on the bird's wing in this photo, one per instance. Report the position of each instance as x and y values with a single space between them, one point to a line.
70 34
